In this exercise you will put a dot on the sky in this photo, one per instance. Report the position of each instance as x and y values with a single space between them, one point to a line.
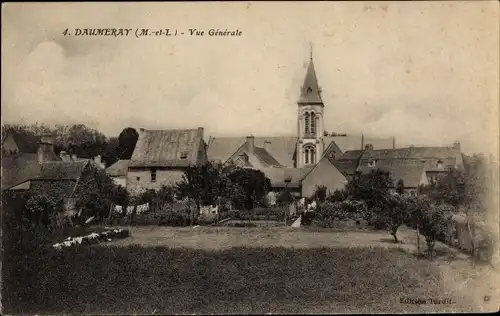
426 73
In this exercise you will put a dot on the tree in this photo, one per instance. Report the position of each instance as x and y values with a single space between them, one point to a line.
126 143
417 206
394 213
320 193
200 184
400 187
284 198
338 196
371 187
254 183
434 224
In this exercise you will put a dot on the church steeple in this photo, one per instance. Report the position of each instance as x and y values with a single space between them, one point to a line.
310 92
310 128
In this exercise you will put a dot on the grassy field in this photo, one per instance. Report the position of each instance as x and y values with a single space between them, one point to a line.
267 269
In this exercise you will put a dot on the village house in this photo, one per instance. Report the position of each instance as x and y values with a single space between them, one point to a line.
118 172
160 157
44 171
324 173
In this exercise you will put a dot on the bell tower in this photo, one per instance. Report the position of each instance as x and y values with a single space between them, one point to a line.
310 126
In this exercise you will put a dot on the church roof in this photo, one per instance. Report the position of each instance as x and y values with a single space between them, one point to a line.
279 175
167 148
310 92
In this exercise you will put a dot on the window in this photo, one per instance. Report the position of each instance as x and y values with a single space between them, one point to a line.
439 164
309 89
307 123
184 155
372 163
313 123
153 175
138 178
309 154
333 154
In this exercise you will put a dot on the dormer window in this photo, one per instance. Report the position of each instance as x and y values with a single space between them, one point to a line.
309 89
372 163
184 155
333 154
439 164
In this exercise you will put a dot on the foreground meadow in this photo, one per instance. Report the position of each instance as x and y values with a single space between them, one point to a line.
224 270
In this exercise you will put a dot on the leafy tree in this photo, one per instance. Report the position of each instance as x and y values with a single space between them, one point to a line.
400 187
254 183
337 196
41 208
371 187
434 224
200 184
284 198
394 213
320 193
126 143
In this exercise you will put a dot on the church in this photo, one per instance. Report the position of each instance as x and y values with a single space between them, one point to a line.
288 160
299 163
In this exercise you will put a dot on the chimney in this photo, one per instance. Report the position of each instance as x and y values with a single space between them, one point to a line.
97 160
393 142
362 141
456 145
266 145
45 148
65 157
250 144
368 147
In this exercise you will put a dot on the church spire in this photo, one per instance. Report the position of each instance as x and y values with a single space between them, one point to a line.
310 92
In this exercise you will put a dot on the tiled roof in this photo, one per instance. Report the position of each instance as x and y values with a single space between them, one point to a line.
430 155
348 162
278 176
118 169
310 91
62 170
167 148
282 149
410 171
354 142
19 168
265 157
25 142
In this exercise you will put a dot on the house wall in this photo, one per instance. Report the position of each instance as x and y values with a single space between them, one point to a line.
9 145
323 174
139 179
122 181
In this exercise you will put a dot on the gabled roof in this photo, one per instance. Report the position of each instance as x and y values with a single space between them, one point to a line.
429 155
118 169
266 157
278 176
19 168
310 91
26 143
357 142
167 148
60 170
282 149
348 162
410 171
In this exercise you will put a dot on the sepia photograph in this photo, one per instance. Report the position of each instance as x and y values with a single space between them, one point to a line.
259 157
